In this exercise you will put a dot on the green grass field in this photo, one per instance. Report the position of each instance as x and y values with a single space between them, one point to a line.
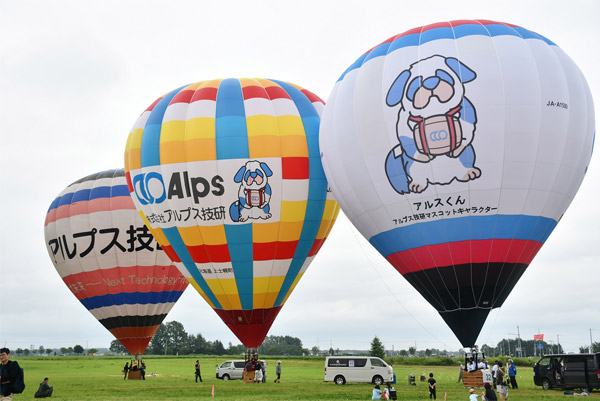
100 378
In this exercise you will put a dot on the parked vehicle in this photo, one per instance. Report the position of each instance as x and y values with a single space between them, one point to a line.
568 371
231 370
349 369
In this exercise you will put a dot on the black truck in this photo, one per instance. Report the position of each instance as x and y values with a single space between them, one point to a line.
568 371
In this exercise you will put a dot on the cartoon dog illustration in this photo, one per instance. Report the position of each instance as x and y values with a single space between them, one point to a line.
435 127
254 193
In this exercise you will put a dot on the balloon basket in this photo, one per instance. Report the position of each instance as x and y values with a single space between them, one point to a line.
134 375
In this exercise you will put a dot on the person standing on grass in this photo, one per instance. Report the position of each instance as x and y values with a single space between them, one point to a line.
501 383
461 369
8 373
125 369
431 383
512 374
278 372
197 372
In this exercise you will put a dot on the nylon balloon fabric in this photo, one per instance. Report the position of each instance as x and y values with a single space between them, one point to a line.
455 148
109 259
228 174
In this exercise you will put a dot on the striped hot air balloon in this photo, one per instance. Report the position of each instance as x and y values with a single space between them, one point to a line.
228 174
110 261
455 148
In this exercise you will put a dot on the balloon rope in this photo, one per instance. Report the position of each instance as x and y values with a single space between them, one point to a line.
361 246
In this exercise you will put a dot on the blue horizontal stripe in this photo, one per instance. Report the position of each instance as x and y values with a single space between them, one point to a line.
90 194
131 298
470 30
522 227
459 31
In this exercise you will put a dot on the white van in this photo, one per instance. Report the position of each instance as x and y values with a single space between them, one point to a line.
231 370
350 369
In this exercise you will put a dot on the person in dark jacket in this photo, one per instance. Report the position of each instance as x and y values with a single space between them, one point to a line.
126 369
488 394
197 371
45 390
8 373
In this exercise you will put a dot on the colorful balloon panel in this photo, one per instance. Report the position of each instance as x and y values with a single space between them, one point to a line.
228 175
108 258
455 148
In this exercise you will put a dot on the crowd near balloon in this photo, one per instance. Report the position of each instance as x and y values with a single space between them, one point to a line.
454 148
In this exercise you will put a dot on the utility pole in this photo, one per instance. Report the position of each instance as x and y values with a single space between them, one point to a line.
520 348
591 342
558 343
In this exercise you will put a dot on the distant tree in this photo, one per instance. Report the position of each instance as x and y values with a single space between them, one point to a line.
403 352
116 347
584 349
159 341
197 344
19 351
315 350
70 350
219 348
41 350
331 351
92 351
427 352
78 349
64 350
34 351
177 337
26 352
170 338
281 345
49 351
236 349
377 348
412 351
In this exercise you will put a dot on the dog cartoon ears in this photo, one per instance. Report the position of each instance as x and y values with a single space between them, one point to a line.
394 96
465 74
266 169
239 176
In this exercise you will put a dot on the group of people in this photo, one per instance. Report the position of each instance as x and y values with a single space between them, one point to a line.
256 367
136 365
501 378
388 393
9 377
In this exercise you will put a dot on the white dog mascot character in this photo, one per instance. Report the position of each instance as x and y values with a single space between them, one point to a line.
254 193
435 127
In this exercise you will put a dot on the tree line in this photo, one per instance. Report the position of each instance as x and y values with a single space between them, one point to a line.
41 350
171 338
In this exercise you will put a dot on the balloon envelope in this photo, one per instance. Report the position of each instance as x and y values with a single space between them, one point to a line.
228 173
455 149
107 257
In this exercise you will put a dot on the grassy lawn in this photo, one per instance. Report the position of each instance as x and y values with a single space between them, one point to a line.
100 378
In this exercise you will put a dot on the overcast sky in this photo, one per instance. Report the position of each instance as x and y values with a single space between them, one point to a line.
75 75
